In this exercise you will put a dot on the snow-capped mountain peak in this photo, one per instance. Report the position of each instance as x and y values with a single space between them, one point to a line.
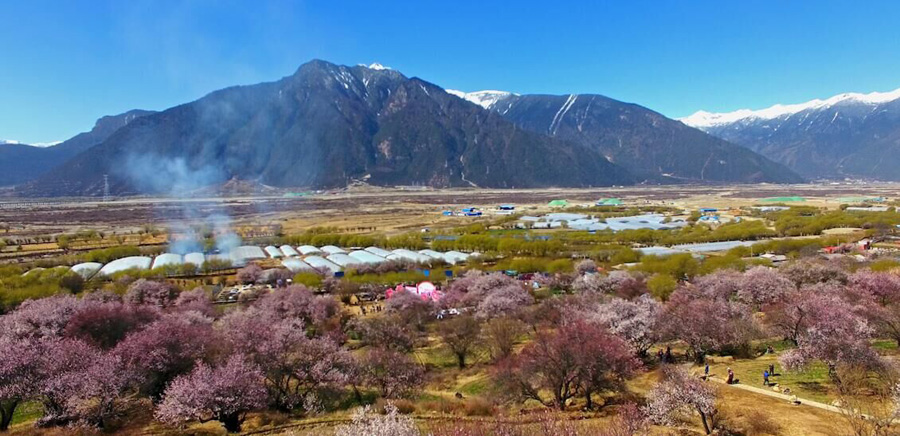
703 119
485 99
376 66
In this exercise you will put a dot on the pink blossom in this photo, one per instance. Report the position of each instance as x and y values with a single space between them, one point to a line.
394 374
503 301
680 395
249 274
634 321
762 285
578 357
105 324
586 266
705 324
19 374
45 317
150 292
831 332
296 368
620 283
367 423
224 393
166 349
197 300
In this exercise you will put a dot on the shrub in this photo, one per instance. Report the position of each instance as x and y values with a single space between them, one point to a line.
661 286
478 407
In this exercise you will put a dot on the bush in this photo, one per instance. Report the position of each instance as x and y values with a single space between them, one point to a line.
442 406
73 283
478 407
404 407
661 286
560 265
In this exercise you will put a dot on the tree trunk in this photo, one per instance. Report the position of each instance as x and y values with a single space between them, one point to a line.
357 394
705 424
699 357
588 402
7 409
231 422
462 360
833 375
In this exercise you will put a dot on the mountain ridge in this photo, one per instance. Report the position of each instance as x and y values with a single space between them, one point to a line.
655 148
22 162
329 125
849 135
325 126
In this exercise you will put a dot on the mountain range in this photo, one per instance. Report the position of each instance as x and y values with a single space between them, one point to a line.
652 147
329 125
849 135
22 162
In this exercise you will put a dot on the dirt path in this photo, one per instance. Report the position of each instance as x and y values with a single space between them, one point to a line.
773 394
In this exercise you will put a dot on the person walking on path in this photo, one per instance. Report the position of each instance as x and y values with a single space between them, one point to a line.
766 377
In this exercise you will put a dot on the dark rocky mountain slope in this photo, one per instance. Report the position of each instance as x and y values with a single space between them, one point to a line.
327 126
652 147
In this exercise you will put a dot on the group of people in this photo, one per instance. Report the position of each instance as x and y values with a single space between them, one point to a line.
665 357
373 308
768 373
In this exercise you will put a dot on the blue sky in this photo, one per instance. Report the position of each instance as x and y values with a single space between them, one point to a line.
65 63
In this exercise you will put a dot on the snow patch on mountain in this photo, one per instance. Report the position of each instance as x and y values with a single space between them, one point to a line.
45 144
486 99
704 119
36 144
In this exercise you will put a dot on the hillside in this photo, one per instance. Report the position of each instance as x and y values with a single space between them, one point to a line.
21 163
326 126
848 135
652 147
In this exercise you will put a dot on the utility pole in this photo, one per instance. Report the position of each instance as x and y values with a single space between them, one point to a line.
105 187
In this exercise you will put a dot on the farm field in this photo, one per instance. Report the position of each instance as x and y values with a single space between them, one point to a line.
536 321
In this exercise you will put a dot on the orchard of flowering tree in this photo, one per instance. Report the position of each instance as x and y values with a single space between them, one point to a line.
588 344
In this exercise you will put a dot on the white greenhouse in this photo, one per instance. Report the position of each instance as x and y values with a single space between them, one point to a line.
411 256
273 252
289 251
87 269
241 255
167 259
379 251
363 256
321 263
126 263
331 249
195 258
307 250
343 260
296 265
